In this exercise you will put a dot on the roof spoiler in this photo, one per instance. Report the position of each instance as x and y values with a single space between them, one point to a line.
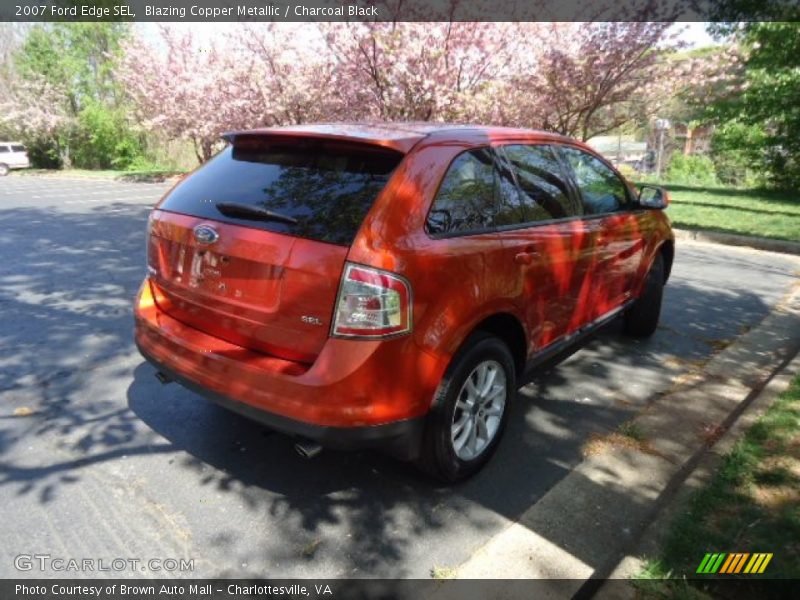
398 145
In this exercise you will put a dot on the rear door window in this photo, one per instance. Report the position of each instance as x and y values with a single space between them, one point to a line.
18 148
326 186
542 184
512 208
602 190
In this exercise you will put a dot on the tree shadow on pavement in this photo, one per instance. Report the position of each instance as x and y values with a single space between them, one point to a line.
65 327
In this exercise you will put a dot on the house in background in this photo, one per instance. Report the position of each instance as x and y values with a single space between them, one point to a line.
641 155
692 140
619 149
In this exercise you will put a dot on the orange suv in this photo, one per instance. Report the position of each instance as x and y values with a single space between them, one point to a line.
387 285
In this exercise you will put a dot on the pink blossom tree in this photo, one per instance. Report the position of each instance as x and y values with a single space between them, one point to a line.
183 90
584 79
287 75
715 75
259 75
579 79
417 71
35 109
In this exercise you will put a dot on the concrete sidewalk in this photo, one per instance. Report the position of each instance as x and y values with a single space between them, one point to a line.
586 525
651 541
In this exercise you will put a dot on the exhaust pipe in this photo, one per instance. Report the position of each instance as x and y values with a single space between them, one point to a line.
307 449
163 377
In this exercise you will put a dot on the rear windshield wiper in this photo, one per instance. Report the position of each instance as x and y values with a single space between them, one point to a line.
255 213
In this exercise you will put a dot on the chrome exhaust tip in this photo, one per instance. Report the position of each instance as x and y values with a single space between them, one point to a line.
163 377
307 449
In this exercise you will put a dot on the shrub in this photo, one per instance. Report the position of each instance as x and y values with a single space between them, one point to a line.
783 167
628 172
104 139
43 153
691 170
144 164
739 152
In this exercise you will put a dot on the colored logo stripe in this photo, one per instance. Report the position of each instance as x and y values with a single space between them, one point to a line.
710 563
734 562
758 563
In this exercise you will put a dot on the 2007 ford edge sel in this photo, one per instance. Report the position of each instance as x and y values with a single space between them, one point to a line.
387 285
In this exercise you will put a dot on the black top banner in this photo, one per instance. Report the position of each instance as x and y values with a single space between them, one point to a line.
399 10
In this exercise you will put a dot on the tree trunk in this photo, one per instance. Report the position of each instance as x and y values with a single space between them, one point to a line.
63 152
197 153
208 150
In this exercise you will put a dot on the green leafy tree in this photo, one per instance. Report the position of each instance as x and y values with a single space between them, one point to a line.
739 152
766 74
772 95
80 60
80 57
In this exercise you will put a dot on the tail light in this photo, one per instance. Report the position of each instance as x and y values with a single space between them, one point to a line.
372 304
149 258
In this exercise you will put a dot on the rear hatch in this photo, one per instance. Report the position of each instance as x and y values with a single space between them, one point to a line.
250 248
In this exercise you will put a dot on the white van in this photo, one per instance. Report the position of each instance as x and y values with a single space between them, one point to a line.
13 156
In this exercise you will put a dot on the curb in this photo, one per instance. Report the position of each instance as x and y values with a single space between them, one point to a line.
585 526
121 178
732 239
61 175
653 536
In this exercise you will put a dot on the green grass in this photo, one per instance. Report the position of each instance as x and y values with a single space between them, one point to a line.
760 213
438 572
631 430
751 505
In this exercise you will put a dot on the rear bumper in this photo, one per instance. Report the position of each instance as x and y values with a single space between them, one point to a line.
399 438
356 394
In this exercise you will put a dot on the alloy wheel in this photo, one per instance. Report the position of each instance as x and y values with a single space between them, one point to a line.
479 410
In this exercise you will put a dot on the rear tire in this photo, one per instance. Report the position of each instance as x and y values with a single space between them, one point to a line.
470 409
641 320
4 170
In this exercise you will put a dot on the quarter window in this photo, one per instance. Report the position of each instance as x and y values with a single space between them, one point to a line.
602 191
466 198
543 187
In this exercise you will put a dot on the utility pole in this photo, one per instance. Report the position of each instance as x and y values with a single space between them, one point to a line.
661 126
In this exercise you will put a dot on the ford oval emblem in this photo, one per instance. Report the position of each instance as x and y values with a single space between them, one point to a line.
205 234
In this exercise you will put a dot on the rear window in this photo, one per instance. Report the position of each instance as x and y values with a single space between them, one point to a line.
327 186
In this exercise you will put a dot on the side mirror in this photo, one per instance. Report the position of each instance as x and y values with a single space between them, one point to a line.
651 196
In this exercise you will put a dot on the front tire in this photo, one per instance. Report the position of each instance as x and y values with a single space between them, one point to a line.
470 409
4 170
641 320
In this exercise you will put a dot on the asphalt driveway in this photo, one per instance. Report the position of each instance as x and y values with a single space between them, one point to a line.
97 459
